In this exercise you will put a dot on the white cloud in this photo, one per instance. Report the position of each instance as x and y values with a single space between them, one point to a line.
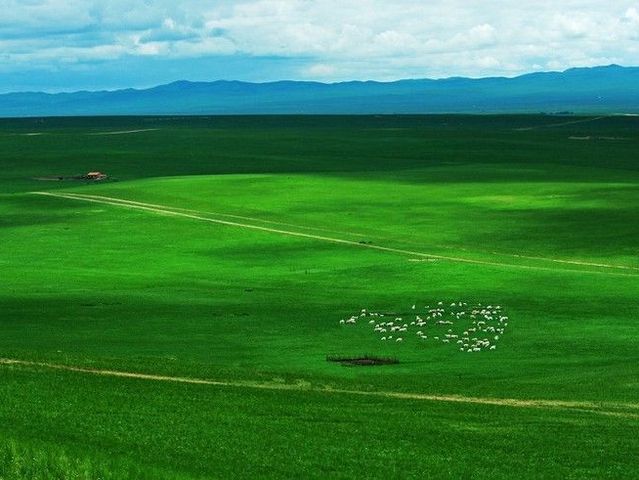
320 70
482 35
632 14
488 63
328 39
573 25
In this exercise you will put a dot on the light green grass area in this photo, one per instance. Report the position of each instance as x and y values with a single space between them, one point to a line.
427 209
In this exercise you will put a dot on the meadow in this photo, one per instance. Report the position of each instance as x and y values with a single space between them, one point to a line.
228 249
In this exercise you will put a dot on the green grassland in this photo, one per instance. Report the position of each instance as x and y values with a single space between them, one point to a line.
538 214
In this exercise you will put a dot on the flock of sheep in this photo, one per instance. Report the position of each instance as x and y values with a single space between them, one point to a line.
471 328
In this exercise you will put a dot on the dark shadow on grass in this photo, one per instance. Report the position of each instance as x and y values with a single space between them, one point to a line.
568 231
31 210
339 145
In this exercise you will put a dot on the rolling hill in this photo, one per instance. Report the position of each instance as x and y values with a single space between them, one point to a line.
609 89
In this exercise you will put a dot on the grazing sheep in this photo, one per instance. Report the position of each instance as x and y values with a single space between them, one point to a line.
490 321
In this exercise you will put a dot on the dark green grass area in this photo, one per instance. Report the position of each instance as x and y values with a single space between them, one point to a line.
519 211
213 432
205 145
37 460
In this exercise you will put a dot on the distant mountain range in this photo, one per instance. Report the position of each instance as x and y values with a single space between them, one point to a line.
610 89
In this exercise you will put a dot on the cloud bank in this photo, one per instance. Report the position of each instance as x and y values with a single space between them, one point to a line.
66 44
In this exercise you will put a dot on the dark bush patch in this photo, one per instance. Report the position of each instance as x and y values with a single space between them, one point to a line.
363 361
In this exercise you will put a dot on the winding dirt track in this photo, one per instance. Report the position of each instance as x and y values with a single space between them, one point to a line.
124 132
623 410
561 124
166 210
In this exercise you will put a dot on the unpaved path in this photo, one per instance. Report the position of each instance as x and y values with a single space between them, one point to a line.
254 219
165 210
226 215
546 259
625 410
124 132
577 262
561 124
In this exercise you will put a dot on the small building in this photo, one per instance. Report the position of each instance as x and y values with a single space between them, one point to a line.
96 176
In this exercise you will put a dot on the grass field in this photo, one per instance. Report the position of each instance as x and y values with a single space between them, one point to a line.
227 249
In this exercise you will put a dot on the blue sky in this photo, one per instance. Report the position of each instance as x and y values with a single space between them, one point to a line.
65 45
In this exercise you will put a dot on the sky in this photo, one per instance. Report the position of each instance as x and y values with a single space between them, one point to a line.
68 45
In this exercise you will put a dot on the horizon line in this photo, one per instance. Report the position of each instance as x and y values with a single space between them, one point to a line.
270 82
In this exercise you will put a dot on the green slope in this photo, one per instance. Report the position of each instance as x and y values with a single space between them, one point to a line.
112 287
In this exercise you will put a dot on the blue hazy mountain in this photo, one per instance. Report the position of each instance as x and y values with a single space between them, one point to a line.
610 89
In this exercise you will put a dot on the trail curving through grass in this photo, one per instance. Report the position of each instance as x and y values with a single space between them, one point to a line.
172 211
624 410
